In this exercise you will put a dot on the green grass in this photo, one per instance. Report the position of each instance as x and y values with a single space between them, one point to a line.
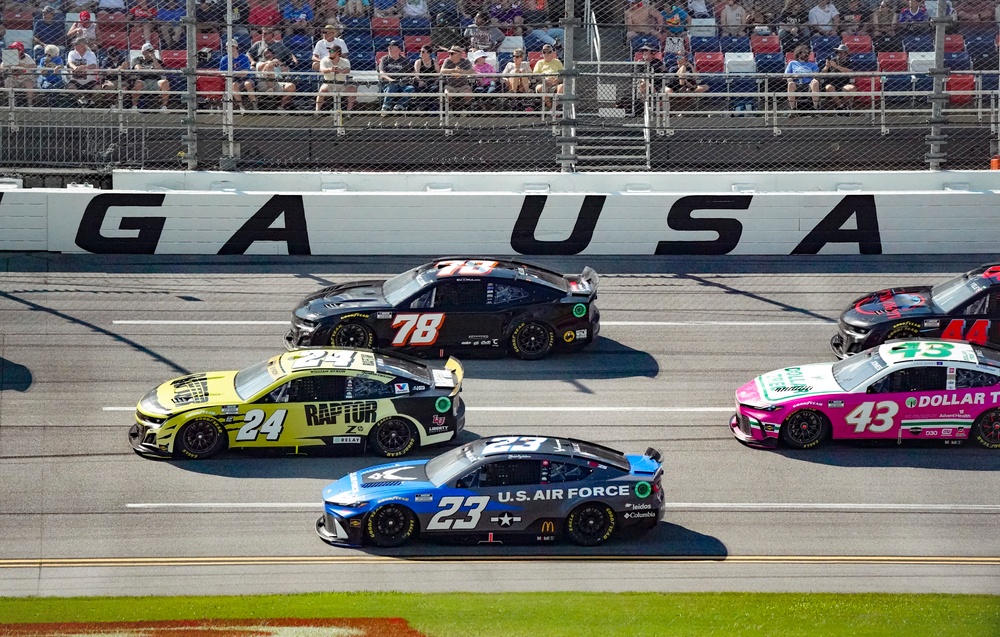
564 614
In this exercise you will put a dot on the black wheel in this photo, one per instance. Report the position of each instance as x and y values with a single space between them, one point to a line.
352 335
804 429
590 524
986 429
201 438
391 525
532 340
392 438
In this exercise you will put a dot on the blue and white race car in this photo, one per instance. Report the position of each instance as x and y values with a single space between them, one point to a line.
505 486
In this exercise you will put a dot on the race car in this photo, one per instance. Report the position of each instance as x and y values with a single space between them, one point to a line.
900 390
966 307
485 307
307 398
527 487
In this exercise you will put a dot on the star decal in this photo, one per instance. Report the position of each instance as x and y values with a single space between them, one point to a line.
506 519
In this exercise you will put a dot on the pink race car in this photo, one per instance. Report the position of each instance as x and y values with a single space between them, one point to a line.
900 390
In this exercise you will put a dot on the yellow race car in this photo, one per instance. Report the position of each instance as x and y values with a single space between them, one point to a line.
315 397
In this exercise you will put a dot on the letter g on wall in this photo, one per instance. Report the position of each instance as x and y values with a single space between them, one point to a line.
89 237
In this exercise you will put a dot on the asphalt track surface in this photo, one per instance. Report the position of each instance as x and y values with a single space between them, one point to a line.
83 337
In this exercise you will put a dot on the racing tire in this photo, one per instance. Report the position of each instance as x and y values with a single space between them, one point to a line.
392 438
352 334
591 524
201 438
986 429
804 429
390 525
532 340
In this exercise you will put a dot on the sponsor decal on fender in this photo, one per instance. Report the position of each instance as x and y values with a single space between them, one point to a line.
564 494
346 440
632 515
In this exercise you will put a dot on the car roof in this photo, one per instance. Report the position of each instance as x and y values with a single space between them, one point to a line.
903 351
498 269
327 360
566 447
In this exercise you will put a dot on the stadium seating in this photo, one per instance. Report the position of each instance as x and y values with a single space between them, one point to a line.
863 62
897 84
709 62
172 59
700 44
886 43
209 40
765 44
984 61
743 102
918 43
136 39
385 27
920 61
958 61
640 41
17 20
117 39
413 43
734 44
823 45
867 84
954 43
534 57
989 82
703 27
890 62
361 25
770 63
960 83
264 14
980 43
858 43
638 56
740 63
415 26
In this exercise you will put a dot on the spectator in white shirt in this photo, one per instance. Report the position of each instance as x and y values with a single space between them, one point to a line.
331 37
824 17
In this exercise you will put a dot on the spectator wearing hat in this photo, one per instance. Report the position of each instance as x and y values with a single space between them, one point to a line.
456 71
242 81
269 42
49 28
331 37
486 82
149 77
518 66
839 62
272 78
20 75
354 8
82 63
482 35
335 69
547 69
652 69
678 78
392 73
50 69
84 28
800 74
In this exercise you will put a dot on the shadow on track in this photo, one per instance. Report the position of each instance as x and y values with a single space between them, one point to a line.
14 376
604 358
887 454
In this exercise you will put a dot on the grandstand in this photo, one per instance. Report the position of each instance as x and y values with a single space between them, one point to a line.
605 119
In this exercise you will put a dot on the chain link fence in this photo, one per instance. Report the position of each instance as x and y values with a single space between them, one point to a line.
609 110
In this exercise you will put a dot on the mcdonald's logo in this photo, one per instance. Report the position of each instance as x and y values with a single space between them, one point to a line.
548 526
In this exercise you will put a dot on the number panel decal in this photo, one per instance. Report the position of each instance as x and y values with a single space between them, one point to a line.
513 444
873 417
254 424
449 516
978 332
465 268
417 329
315 359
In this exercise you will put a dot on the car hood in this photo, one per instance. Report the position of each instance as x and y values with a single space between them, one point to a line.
379 482
890 305
356 295
785 384
193 391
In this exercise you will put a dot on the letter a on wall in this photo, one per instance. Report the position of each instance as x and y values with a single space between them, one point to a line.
258 227
830 229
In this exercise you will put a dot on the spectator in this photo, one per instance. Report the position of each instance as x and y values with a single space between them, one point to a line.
330 39
518 66
142 12
456 71
757 23
268 42
242 79
113 62
386 8
839 62
539 33
793 25
733 18
679 78
241 17
415 9
112 6
392 73
675 20
800 76
172 32
884 19
486 83
913 18
653 70
335 69
973 13
354 8
854 20
296 16
20 75
445 31
642 19
49 29
469 8
83 67
149 77
271 78
50 68
949 11
508 17
207 16
427 72
700 9
84 28
76 6
548 68
482 35
824 18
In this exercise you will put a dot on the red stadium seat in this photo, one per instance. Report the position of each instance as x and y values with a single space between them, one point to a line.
710 62
264 14
173 59
858 43
379 55
765 44
867 84
209 40
136 39
892 61
954 43
960 83
117 39
17 20
211 87
385 26
412 43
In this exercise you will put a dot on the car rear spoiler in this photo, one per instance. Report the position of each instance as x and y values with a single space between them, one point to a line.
457 371
583 284
654 454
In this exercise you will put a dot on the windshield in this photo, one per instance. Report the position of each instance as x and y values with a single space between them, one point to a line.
252 380
853 372
450 464
955 292
403 286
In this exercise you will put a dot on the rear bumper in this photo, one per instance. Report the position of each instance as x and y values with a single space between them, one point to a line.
750 432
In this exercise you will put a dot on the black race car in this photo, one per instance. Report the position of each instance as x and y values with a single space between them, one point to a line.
964 308
477 306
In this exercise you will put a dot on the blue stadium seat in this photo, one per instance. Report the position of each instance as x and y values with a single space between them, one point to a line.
716 82
991 81
980 43
823 46
922 42
957 61
985 61
504 58
734 44
864 62
896 84
743 102
356 25
358 43
770 62
415 26
381 42
705 44
640 41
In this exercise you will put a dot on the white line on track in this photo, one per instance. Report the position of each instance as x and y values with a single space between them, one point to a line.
817 323
662 410
792 507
